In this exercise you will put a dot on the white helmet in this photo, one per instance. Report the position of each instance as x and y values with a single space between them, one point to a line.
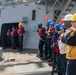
68 17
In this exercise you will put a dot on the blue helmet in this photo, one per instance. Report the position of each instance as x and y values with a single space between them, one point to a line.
57 26
13 27
39 24
52 24
63 26
49 21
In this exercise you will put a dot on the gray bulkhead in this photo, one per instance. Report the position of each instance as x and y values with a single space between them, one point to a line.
14 14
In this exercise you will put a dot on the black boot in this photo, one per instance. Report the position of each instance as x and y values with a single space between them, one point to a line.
50 63
59 73
40 56
44 58
37 55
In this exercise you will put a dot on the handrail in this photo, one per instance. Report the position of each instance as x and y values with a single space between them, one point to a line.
66 5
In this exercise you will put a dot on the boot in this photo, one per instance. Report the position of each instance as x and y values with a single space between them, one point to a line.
50 60
40 56
44 58
59 73
37 55
50 63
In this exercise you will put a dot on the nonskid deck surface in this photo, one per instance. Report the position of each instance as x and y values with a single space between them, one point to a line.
25 63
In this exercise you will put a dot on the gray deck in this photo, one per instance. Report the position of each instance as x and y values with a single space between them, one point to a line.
26 63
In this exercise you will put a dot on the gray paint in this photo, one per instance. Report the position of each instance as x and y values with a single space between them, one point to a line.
10 14
73 10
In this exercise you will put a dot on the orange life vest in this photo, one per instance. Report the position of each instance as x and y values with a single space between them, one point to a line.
50 30
40 31
20 30
12 32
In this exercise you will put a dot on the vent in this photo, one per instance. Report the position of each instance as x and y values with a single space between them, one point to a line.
24 19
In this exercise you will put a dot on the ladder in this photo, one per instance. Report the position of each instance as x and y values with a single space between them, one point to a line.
67 9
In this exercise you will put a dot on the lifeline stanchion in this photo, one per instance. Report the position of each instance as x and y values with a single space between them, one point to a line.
53 66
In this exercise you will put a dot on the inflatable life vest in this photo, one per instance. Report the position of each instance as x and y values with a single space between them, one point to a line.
12 32
41 32
71 50
20 30
52 31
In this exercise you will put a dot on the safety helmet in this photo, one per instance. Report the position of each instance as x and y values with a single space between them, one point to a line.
13 27
74 17
39 24
52 24
20 24
57 26
63 26
68 17
49 21
61 21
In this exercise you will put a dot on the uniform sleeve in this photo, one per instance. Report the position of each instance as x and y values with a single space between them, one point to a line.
43 30
71 40
52 32
53 38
